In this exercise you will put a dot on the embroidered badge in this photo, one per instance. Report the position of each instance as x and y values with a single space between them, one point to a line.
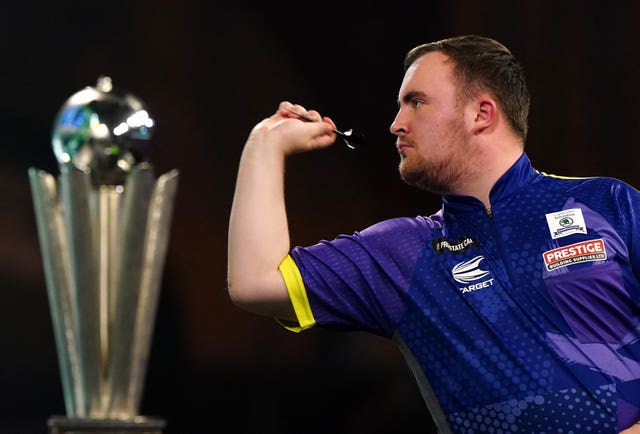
443 245
469 272
566 222
591 250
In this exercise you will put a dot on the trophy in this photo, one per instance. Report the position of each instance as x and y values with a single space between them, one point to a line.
103 227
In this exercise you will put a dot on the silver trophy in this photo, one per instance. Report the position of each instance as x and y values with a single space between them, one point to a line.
103 227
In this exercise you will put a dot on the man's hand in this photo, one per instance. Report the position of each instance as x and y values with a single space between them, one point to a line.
288 133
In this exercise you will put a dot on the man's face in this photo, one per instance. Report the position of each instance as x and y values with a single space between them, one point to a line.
431 136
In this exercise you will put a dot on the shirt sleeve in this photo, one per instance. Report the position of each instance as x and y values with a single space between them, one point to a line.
356 282
298 296
629 204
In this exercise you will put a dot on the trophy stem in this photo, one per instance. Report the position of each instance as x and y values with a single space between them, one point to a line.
80 217
108 204
156 242
146 219
104 250
53 243
127 290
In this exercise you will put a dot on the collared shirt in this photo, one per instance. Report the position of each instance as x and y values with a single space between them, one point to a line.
522 318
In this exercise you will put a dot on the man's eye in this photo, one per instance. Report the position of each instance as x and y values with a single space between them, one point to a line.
415 103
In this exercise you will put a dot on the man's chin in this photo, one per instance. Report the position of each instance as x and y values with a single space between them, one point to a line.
414 181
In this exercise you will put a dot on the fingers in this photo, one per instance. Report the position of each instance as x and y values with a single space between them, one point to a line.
289 110
291 129
328 120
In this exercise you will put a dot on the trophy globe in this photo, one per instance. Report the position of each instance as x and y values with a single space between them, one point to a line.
103 130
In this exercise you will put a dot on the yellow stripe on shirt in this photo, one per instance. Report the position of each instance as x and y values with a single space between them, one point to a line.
297 294
563 177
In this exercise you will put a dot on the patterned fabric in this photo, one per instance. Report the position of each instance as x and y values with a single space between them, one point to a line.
522 319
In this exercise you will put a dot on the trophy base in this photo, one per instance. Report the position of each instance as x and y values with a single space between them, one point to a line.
78 425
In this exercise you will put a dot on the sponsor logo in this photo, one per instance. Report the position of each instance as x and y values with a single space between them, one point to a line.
591 250
566 222
469 271
442 244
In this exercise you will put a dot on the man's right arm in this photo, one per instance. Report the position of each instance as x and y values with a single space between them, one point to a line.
258 228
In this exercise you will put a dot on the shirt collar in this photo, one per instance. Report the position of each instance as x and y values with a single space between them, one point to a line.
519 174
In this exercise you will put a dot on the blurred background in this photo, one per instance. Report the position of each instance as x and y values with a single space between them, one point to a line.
208 72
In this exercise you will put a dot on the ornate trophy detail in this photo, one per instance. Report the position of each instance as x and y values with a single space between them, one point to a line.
103 230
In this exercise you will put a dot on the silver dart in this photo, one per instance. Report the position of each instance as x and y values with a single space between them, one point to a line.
352 139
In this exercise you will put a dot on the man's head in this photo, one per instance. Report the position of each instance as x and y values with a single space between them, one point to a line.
483 64
462 115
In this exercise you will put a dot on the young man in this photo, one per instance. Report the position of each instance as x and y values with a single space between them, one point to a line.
516 305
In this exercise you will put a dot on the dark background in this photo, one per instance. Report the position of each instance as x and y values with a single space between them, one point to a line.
208 73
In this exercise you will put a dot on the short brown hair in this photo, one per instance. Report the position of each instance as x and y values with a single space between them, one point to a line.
484 64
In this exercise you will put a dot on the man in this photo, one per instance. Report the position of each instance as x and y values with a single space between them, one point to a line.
516 305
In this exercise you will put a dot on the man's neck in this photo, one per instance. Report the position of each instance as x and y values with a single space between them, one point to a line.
488 173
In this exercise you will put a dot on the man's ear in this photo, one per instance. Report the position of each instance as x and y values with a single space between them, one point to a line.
485 112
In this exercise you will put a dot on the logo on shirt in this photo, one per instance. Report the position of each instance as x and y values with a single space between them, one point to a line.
470 271
442 244
591 250
566 222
